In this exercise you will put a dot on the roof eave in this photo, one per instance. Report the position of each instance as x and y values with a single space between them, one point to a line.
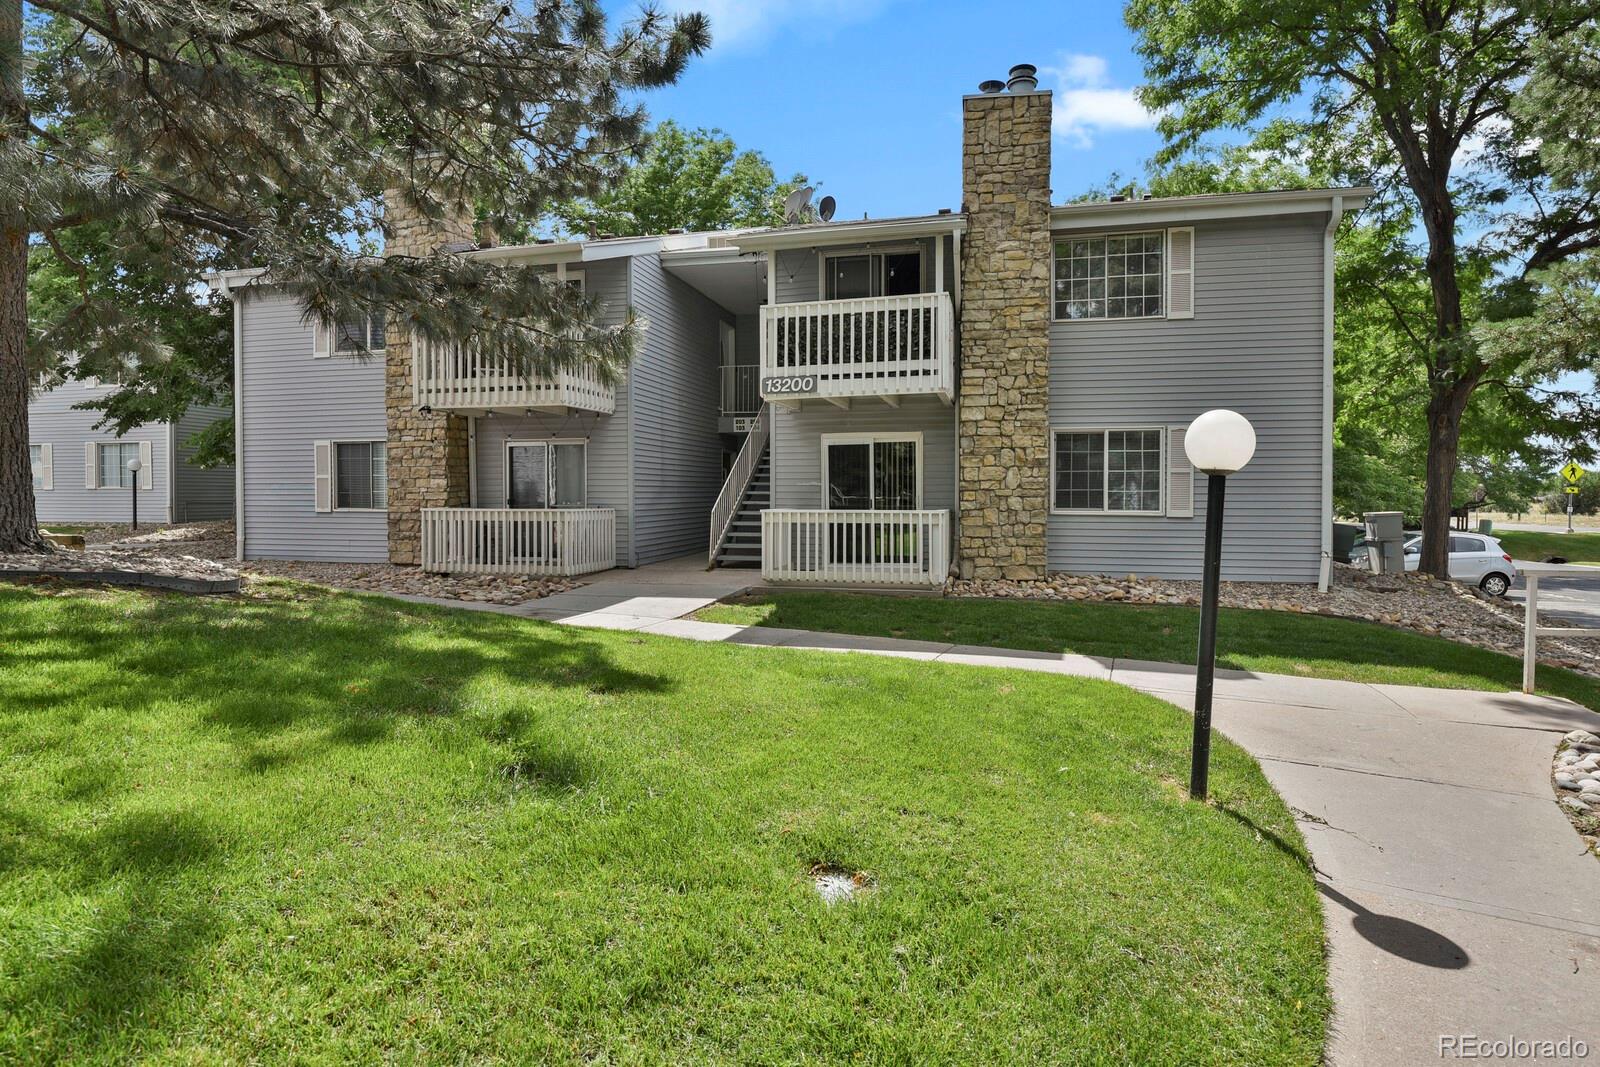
1207 207
819 235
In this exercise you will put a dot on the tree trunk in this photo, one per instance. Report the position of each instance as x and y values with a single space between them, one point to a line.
19 526
1445 408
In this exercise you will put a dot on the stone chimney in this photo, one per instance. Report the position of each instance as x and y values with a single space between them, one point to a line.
1004 448
427 452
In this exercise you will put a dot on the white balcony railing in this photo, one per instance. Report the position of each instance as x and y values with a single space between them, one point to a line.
855 547
883 346
563 541
741 390
462 377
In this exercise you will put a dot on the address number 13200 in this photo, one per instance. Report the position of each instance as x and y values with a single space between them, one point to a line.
789 385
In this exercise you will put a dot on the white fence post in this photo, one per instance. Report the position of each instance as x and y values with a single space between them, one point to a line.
1531 630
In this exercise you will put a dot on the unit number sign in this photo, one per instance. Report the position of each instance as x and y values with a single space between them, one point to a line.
789 385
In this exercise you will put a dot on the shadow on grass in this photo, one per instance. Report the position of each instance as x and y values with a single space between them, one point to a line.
278 681
354 666
140 945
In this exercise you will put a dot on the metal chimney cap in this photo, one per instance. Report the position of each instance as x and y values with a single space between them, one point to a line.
1024 78
993 85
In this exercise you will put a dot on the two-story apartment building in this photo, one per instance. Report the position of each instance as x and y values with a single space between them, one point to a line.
998 391
81 474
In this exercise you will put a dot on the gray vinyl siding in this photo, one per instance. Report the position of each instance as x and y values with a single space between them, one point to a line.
1255 345
606 436
291 400
797 446
200 493
52 421
606 455
799 277
677 452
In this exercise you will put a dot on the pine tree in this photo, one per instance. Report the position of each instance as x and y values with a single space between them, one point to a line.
217 133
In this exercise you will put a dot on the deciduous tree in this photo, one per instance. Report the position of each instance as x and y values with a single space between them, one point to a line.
1415 97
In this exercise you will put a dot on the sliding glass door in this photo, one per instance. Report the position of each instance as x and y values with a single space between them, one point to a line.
871 474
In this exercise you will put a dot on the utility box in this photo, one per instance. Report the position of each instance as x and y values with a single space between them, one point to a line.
1486 526
1386 538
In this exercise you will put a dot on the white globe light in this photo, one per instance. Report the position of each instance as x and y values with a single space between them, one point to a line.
1220 442
134 465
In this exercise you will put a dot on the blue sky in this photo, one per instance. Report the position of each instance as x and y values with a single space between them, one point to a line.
864 96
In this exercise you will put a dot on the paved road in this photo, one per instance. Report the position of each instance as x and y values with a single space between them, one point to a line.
1572 600
1458 899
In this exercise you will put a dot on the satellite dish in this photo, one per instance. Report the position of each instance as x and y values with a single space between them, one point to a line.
825 208
797 206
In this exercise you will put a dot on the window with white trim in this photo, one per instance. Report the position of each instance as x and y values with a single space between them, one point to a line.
40 467
363 333
113 458
1112 276
547 474
361 475
1116 471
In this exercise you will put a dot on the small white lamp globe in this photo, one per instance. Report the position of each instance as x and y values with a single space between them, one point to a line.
134 465
1220 442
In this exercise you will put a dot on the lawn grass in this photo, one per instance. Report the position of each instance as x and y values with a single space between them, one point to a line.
1275 642
1536 545
329 827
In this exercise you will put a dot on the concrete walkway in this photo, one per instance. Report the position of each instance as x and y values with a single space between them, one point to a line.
1458 898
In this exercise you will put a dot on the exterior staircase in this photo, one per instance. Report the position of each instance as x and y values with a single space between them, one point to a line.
742 546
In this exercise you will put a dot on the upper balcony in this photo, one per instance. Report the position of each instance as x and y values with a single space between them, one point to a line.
463 379
885 347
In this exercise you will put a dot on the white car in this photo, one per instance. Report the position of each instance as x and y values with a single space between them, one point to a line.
1475 558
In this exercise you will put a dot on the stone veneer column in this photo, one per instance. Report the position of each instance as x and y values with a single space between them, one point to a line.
1003 451
427 454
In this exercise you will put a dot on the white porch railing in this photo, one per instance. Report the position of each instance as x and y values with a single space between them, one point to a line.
879 346
741 390
856 547
738 480
462 377
562 541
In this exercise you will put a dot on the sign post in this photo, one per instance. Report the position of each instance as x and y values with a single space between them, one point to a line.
1572 474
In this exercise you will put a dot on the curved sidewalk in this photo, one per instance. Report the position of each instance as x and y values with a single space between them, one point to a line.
1459 901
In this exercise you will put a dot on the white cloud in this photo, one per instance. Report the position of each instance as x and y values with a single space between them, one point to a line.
744 23
1086 103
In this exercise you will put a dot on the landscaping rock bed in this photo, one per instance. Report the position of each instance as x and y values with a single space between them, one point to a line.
1410 602
113 566
1576 775
215 541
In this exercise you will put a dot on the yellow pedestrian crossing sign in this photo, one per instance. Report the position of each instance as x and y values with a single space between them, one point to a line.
1572 473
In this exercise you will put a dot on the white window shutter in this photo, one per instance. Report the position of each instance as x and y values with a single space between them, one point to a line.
1180 273
321 341
1180 476
47 466
147 469
91 465
323 471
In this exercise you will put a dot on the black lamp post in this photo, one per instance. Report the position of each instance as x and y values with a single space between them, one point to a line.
135 466
1219 443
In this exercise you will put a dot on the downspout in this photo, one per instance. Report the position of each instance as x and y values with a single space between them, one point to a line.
172 472
1325 572
238 422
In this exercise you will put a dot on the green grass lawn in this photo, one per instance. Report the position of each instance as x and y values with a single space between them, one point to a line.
328 827
1272 641
1536 545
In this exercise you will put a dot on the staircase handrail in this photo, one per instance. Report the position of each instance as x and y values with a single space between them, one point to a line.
740 475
